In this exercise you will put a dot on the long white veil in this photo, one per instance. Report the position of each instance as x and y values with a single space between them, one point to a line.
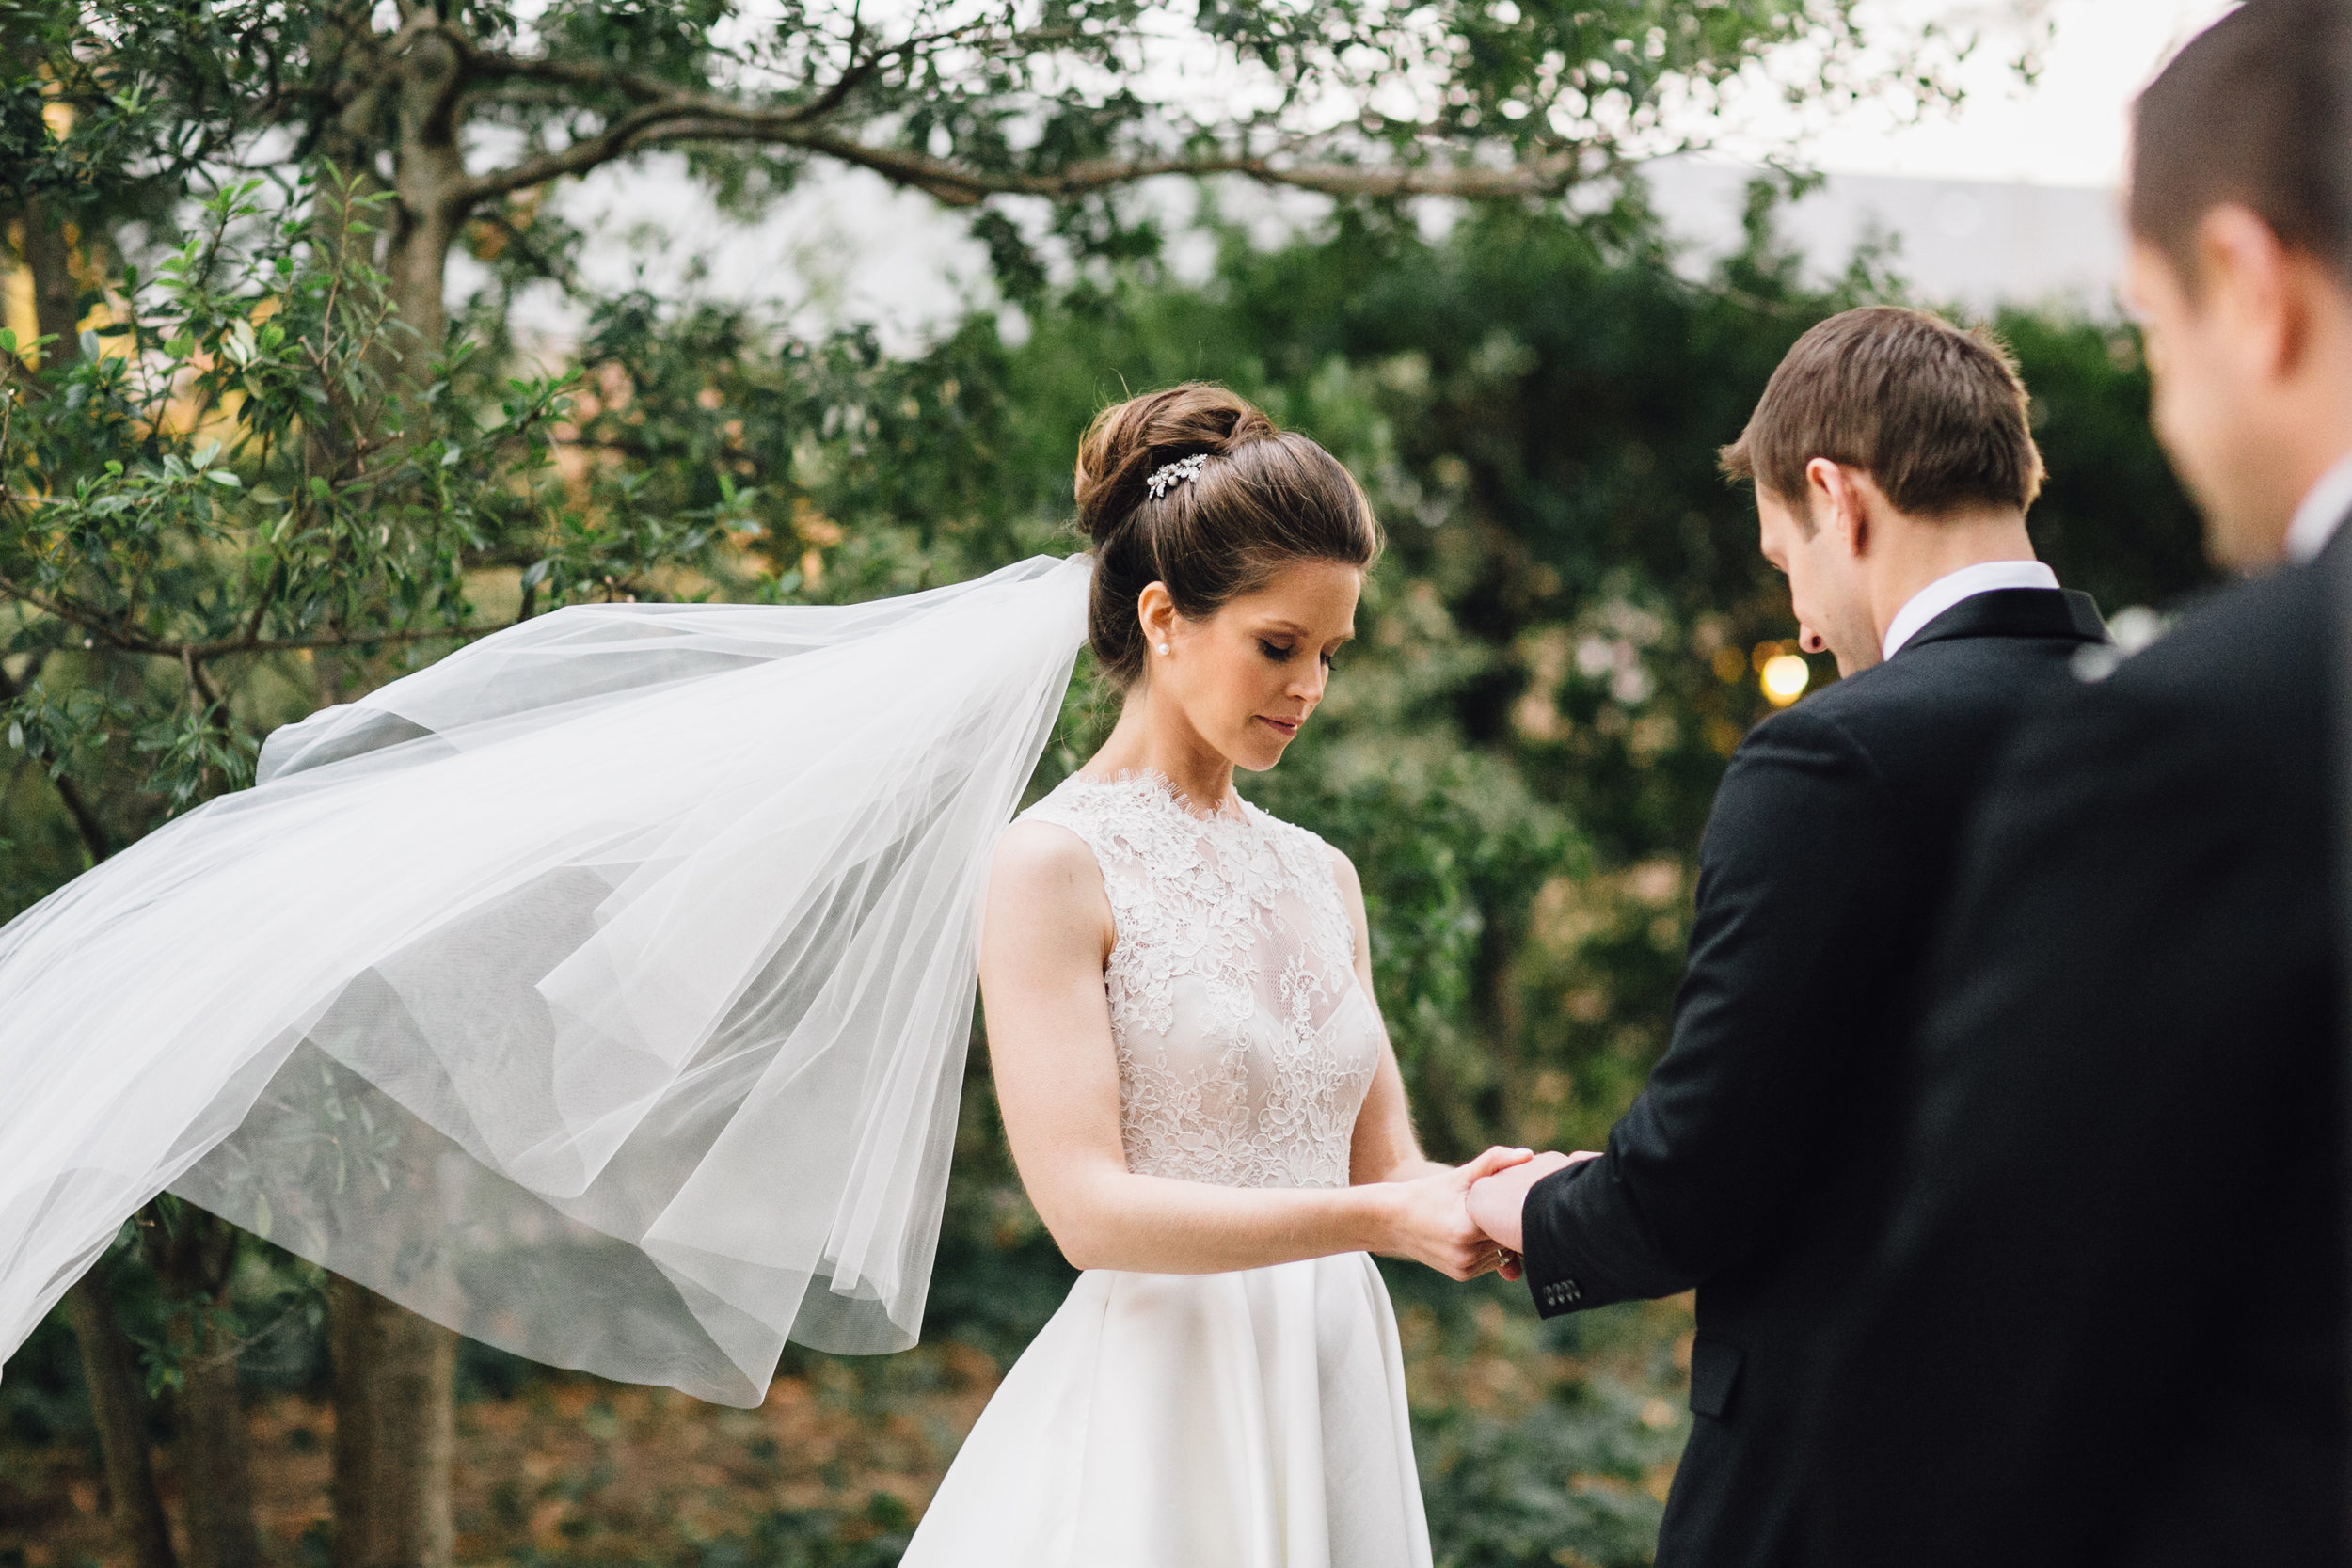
600 992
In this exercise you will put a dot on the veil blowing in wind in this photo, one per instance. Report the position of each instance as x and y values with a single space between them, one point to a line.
599 992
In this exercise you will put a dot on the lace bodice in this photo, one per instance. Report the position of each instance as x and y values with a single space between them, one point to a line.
1245 1042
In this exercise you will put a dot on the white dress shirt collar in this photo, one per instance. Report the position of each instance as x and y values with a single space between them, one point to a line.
2323 510
1949 589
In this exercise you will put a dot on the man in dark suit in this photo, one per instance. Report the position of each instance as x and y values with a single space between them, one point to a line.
1893 468
2109 1323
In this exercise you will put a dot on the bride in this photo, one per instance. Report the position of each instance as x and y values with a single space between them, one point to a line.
1201 1100
601 991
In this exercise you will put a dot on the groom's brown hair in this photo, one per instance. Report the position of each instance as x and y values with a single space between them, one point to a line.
1937 415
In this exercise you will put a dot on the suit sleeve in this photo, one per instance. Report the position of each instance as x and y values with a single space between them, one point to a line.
1800 880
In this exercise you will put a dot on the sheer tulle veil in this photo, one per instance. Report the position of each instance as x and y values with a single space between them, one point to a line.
600 991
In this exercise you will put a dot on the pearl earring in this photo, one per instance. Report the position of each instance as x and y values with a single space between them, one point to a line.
1162 647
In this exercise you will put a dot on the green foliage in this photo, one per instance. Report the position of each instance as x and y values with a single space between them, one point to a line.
1560 1484
871 1537
220 488
2111 520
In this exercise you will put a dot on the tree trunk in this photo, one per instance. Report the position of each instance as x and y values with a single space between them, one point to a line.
49 258
42 243
395 1432
119 1406
212 1454
210 1446
395 1372
429 169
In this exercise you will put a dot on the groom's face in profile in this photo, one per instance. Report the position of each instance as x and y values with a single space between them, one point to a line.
1826 587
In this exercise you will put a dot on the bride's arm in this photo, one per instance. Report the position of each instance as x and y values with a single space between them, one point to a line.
1047 932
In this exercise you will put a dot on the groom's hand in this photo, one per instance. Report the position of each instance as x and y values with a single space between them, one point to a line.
1495 1201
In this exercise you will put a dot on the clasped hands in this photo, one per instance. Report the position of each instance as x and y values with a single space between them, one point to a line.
1464 1222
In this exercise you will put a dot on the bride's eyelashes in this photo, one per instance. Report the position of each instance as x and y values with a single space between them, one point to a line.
1280 655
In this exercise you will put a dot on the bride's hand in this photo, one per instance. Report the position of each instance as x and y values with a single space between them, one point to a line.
1428 1221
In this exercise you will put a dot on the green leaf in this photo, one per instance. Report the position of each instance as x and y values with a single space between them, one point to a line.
222 476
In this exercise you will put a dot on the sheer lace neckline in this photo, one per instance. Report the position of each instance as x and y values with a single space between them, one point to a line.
1150 785
1245 1041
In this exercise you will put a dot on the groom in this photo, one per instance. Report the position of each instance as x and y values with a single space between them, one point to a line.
2110 1325
1893 467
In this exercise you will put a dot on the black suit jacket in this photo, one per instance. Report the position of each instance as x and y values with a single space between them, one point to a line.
1753 1164
2109 1327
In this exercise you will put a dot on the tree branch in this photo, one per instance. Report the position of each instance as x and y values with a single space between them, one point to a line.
626 135
340 640
76 806
570 73
131 642
33 385
88 618
201 687
665 116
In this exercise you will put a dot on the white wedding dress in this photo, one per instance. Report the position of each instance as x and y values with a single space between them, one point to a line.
1251 1419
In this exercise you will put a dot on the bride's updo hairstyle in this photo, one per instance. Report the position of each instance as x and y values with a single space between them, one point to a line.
1260 498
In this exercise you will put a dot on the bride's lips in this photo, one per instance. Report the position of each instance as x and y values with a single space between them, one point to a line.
1283 727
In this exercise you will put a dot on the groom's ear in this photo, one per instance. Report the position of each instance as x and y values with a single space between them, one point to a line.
1837 500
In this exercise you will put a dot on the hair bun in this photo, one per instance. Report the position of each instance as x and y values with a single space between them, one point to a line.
1249 499
1130 441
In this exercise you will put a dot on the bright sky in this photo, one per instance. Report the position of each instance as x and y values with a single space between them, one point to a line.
2068 128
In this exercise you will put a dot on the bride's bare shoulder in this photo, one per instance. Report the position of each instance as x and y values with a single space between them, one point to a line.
1045 870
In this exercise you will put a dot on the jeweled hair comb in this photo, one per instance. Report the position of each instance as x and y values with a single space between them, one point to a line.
1162 480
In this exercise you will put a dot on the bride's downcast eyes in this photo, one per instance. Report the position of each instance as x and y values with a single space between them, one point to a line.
1282 655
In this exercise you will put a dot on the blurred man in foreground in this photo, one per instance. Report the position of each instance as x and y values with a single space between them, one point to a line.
2109 1325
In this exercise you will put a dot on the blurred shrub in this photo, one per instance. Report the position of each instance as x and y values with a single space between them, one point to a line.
1559 1487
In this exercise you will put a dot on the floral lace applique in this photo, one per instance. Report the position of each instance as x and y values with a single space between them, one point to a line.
1244 1043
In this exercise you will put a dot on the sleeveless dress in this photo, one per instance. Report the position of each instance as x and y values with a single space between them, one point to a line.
1248 1420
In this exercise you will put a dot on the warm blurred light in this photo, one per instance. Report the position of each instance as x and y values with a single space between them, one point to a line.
1784 679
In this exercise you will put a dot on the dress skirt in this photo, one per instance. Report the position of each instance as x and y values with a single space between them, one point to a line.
1253 1420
